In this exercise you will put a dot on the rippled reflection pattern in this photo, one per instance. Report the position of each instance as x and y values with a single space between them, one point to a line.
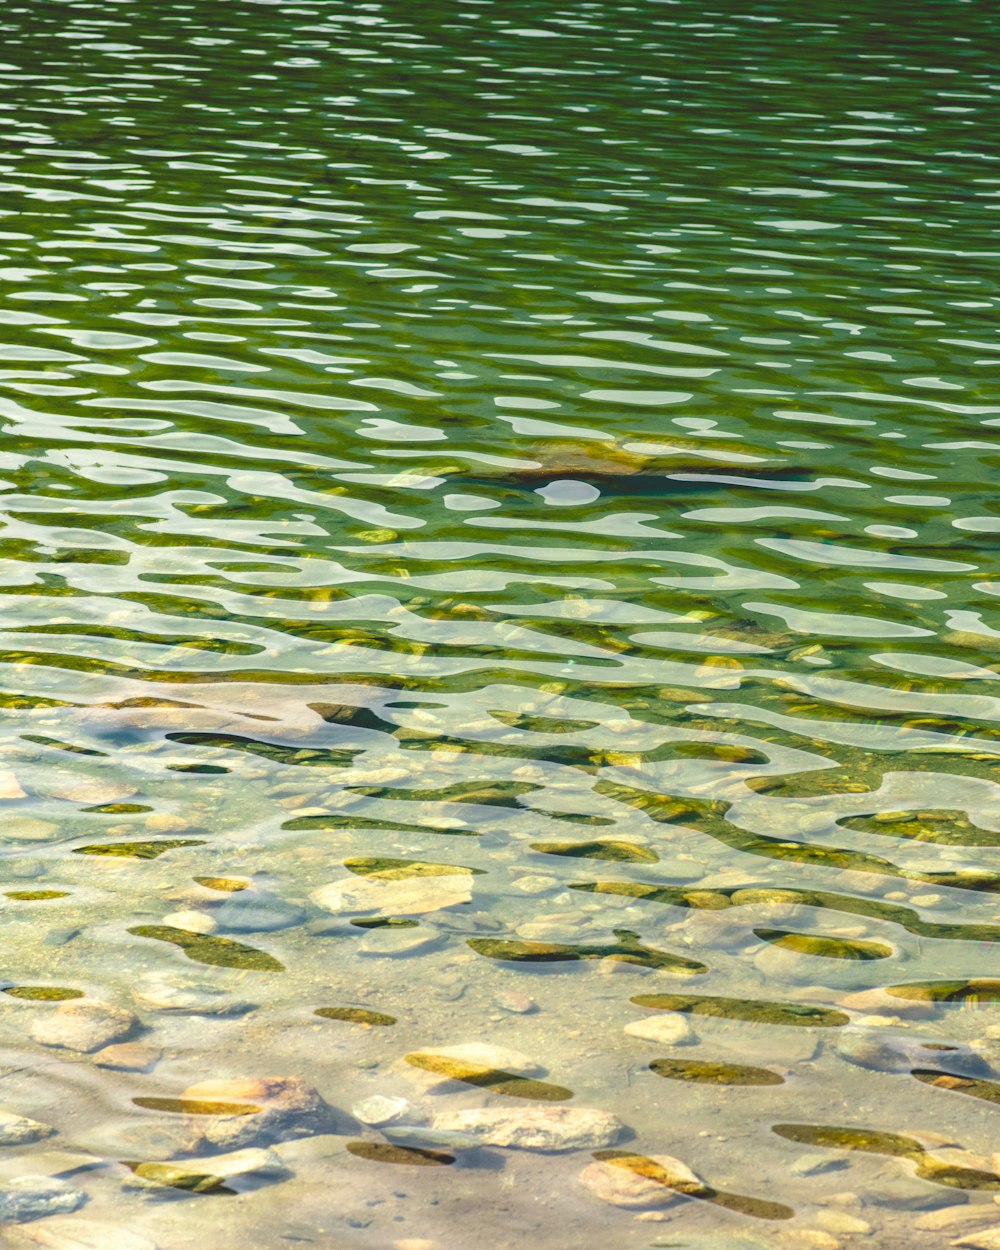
500 724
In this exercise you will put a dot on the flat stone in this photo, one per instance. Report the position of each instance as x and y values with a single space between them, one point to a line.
79 1233
173 991
82 1026
483 1055
257 911
9 786
17 1130
956 1217
535 1128
28 829
985 1239
128 1057
871 1051
516 1004
899 1193
841 1222
286 1107
207 1172
670 1029
33 1197
92 791
193 921
53 1162
380 1110
624 1187
535 883
397 943
410 896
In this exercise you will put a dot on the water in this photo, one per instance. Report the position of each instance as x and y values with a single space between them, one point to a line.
499 523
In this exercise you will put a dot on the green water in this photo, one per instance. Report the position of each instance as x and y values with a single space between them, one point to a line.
499 552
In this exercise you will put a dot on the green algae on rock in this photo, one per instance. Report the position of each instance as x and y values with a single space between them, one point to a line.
601 848
386 869
35 896
492 1079
137 850
988 1091
194 1106
973 991
388 1152
206 949
229 885
825 947
626 950
754 1010
43 993
714 1073
355 1015
874 1141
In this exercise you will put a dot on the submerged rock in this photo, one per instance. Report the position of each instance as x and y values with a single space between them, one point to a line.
79 1233
207 1173
17 1130
128 1057
670 1030
535 1128
278 1108
257 911
407 896
640 1181
379 1110
173 991
985 1239
33 1197
83 1026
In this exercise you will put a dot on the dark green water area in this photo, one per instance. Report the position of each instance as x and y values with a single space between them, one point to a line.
499 625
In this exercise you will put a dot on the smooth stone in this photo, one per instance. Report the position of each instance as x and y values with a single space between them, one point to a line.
955 1217
483 1055
409 896
93 792
195 1174
898 1193
841 1222
622 1187
395 943
535 1128
302 1152
128 1057
79 1233
172 991
52 1163
254 911
871 1051
985 1239
193 921
33 1197
28 829
534 883
9 786
82 1026
420 1136
671 1029
288 1107
18 1130
516 1004
380 1110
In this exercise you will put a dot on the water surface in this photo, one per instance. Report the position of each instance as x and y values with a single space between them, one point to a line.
499 546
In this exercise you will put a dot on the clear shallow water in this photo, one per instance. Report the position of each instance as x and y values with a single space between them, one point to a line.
552 443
